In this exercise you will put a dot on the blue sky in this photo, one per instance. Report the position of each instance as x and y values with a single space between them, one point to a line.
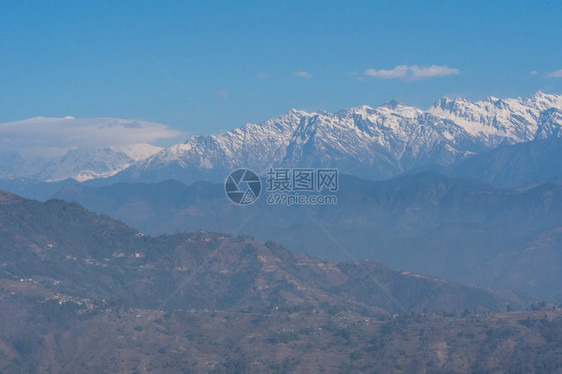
250 61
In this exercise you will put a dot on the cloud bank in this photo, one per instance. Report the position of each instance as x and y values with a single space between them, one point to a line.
554 74
412 72
398 72
51 137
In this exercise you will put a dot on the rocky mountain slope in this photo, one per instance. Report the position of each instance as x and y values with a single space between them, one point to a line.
84 293
80 253
454 228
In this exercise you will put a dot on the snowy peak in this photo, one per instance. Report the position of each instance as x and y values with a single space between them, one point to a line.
496 120
137 152
80 164
543 101
85 163
81 148
537 100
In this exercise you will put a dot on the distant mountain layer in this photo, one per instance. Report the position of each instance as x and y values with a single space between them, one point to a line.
374 143
82 254
53 149
80 164
453 228
518 165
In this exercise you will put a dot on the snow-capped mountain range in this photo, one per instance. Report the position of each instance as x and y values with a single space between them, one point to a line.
369 142
80 164
58 148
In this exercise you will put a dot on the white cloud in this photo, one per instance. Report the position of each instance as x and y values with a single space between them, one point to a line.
412 72
303 74
221 93
397 72
554 74
533 72
51 137
433 71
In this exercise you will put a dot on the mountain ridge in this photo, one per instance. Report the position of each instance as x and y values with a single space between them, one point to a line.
79 252
455 228
374 143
